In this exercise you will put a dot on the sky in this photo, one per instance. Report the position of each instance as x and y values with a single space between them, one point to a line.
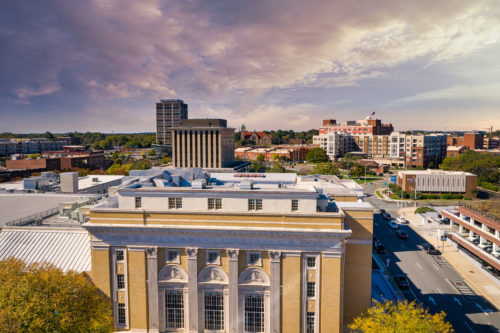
68 65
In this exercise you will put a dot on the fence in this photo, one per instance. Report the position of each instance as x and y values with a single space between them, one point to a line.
33 218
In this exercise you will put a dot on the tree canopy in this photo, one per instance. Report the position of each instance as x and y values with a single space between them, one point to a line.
485 166
327 168
401 317
41 298
317 155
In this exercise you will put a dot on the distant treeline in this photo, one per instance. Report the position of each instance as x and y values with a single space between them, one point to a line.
282 136
95 140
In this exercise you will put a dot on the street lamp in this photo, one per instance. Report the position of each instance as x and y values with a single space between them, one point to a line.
415 187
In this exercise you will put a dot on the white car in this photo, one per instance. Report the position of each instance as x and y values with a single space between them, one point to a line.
393 224
402 220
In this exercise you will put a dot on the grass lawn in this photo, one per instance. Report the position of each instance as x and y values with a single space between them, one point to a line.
379 195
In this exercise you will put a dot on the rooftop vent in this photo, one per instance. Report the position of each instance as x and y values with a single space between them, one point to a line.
246 184
199 184
95 179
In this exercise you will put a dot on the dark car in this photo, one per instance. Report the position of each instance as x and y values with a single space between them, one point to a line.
380 249
431 249
386 216
402 234
402 281
375 241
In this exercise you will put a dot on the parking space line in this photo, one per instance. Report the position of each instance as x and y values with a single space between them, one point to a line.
435 267
418 265
468 327
439 290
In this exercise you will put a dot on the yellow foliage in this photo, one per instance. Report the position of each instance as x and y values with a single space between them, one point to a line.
401 317
41 298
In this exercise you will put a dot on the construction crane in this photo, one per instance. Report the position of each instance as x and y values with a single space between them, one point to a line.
491 130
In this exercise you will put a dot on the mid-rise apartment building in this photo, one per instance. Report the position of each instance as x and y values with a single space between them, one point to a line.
468 140
335 145
29 146
203 143
418 150
375 146
367 126
188 251
169 113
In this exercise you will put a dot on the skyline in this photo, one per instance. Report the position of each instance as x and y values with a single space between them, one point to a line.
102 66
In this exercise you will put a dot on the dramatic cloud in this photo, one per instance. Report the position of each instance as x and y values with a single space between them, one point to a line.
265 61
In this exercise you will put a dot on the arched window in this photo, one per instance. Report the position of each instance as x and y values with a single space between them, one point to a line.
254 300
213 299
172 291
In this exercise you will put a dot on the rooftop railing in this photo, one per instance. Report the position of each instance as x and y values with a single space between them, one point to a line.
474 208
33 218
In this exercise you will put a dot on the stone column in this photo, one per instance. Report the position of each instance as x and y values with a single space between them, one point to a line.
203 149
233 290
188 149
192 289
152 282
275 289
209 150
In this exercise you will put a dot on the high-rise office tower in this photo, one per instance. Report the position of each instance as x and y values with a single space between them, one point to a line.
169 113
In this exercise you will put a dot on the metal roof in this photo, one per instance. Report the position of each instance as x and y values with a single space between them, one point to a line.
66 248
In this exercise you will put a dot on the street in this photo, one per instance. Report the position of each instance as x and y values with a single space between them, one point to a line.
433 282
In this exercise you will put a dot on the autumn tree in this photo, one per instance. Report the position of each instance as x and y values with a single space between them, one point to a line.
42 298
400 317
317 155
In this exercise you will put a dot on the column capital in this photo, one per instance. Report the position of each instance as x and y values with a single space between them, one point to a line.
275 256
233 254
192 252
152 252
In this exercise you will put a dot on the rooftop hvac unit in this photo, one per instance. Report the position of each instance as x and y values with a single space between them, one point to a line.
246 184
95 179
199 184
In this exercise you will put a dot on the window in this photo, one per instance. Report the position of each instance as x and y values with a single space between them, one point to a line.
254 204
310 322
311 289
138 202
214 203
311 262
120 281
214 311
254 313
119 255
258 204
174 309
295 205
213 257
251 204
171 203
174 203
173 256
254 259
121 314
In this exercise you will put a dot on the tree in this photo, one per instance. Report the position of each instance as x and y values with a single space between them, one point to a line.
261 158
42 298
316 155
327 168
400 317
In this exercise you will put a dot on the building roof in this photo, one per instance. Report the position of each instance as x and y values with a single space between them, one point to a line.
18 206
259 134
435 172
65 248
88 181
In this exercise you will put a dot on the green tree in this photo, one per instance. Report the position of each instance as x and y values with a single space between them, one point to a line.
261 158
327 168
42 298
401 317
316 155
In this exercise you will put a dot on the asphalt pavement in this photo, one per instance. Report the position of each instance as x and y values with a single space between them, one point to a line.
434 283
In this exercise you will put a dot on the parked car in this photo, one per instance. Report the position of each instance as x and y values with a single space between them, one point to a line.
475 241
402 220
393 224
444 221
380 249
431 249
402 234
386 216
402 281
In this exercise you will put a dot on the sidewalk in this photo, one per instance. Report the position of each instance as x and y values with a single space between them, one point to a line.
483 284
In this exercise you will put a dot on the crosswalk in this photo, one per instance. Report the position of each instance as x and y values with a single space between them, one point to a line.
443 263
462 287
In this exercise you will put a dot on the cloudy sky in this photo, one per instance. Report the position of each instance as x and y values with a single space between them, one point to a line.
100 65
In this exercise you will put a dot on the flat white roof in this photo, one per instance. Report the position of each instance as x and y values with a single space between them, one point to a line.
435 172
88 181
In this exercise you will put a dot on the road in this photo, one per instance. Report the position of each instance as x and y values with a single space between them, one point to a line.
433 282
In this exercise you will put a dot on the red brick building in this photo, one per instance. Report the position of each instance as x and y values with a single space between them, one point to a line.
468 140
367 126
260 138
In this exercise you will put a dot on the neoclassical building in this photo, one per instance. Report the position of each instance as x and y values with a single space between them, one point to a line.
181 250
